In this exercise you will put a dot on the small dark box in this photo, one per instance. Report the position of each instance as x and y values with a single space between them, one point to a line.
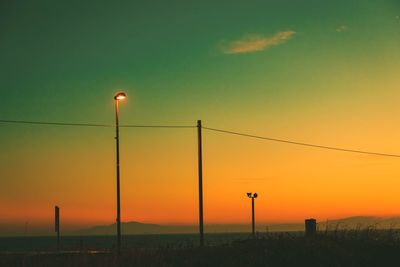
311 227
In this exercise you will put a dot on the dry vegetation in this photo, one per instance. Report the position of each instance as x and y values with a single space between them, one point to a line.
368 247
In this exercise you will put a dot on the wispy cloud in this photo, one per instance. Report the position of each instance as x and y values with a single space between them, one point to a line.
342 28
256 42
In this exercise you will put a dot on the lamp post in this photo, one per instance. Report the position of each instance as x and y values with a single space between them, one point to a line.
253 226
119 96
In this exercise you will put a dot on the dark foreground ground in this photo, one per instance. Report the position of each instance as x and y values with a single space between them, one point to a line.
338 248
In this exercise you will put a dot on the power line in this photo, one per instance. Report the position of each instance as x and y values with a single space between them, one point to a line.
157 126
55 123
93 125
207 128
303 144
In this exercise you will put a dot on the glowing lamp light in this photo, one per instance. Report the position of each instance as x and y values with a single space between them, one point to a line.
120 96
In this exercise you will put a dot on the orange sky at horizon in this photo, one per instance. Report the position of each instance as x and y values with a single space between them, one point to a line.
293 182
319 72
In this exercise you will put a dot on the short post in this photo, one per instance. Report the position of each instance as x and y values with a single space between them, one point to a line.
310 227
57 225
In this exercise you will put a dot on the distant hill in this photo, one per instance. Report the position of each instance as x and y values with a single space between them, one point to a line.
361 222
134 228
137 228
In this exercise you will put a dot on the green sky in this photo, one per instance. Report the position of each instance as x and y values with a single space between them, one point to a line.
314 71
69 57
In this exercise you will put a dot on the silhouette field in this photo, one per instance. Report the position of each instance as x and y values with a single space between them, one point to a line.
358 247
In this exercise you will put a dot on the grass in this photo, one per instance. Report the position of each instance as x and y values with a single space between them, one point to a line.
364 248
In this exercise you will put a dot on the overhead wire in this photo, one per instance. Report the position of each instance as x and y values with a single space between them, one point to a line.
301 143
55 123
206 128
157 126
93 125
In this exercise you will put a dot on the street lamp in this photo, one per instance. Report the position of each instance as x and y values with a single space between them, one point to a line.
252 196
119 96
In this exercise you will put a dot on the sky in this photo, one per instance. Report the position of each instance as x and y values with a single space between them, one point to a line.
310 71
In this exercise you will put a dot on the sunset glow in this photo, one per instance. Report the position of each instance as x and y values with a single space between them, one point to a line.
329 77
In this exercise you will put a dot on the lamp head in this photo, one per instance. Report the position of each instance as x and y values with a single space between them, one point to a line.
249 194
255 195
120 96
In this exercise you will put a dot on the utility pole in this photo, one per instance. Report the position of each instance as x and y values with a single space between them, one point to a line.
200 166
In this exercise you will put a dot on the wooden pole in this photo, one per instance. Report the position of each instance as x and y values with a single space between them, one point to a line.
200 167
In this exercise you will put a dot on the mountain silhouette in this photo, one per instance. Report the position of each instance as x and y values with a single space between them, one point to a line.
133 227
137 228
